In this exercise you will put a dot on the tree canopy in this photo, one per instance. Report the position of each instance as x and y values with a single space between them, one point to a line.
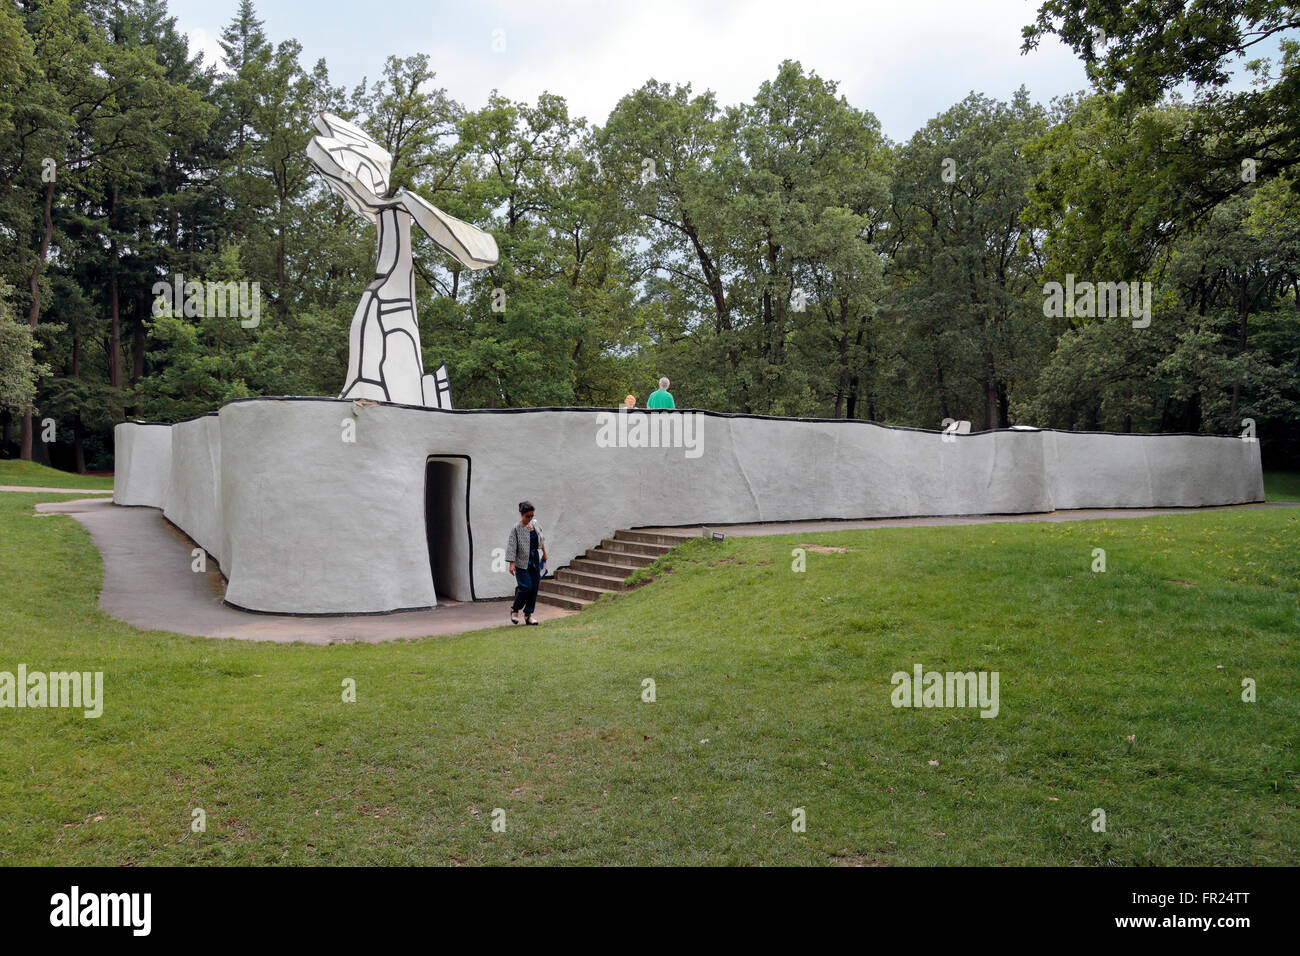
777 256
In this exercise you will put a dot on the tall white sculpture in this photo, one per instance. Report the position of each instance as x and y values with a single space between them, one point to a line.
384 358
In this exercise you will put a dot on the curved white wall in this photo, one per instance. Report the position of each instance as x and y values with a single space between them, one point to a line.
304 521
194 501
142 463
1094 470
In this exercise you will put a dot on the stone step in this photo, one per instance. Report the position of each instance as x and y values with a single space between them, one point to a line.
560 600
570 590
605 569
635 547
665 538
606 566
608 582
621 558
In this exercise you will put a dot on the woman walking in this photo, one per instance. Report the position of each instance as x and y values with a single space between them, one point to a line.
526 552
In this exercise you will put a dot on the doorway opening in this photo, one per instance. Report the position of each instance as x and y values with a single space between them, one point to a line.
446 524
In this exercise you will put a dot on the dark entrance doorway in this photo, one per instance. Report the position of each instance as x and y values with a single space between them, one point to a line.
446 522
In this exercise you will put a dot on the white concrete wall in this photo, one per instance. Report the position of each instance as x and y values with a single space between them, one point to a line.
303 521
194 500
142 466
1095 470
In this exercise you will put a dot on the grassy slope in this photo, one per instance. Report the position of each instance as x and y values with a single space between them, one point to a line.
773 693
30 473
1282 485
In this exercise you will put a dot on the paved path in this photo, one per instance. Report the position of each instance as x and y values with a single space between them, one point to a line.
1082 514
61 491
148 583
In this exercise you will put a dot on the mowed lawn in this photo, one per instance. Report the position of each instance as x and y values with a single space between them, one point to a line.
1282 486
1119 690
30 473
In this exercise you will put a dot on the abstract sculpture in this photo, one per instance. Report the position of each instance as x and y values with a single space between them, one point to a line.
384 358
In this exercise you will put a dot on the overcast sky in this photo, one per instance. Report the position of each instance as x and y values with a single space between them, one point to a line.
904 61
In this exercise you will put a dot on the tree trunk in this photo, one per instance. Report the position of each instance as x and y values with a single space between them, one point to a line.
990 392
843 384
78 450
34 284
137 354
114 320
943 395
722 318
1241 342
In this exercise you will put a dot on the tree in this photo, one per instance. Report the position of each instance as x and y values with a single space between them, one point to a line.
966 271
737 209
811 196
1223 344
18 371
111 118
511 341
670 157
1143 52
205 360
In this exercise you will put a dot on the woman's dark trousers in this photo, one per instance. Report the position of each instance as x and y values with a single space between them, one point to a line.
527 581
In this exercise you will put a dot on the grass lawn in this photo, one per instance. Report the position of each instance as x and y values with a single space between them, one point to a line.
1282 485
29 473
1118 690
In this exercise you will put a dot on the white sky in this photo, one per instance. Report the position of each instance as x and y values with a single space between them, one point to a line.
905 62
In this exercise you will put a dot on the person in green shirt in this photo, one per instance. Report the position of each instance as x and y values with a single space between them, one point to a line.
661 398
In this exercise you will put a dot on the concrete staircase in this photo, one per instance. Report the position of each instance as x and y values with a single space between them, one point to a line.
605 570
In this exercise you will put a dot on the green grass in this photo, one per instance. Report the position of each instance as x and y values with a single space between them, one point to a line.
773 692
1282 485
29 473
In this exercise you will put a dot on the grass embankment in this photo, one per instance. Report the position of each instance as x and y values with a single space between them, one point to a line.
40 476
1282 485
1118 690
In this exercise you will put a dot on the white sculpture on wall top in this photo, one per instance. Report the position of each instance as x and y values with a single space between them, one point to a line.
384 358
